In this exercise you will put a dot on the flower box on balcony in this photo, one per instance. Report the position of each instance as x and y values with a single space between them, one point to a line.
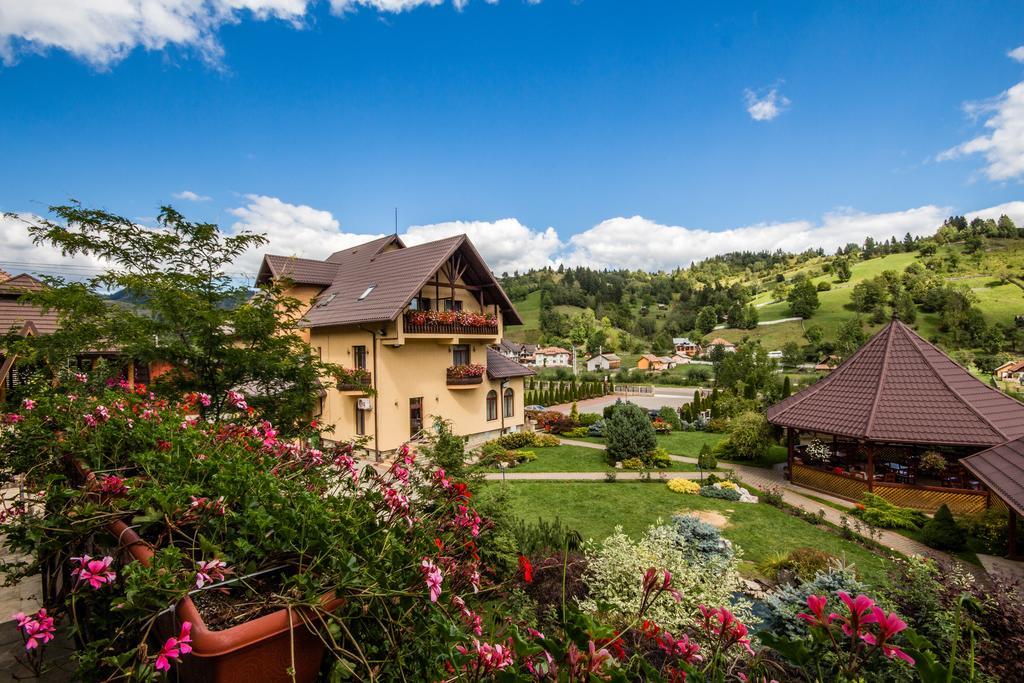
465 375
357 380
450 322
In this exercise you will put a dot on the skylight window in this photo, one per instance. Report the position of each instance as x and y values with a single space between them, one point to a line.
366 293
328 300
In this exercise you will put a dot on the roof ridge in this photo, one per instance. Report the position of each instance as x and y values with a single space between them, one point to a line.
881 379
949 386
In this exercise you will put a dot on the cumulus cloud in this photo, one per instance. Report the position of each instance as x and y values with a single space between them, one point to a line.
103 32
765 105
507 245
292 230
20 255
640 243
1003 146
190 196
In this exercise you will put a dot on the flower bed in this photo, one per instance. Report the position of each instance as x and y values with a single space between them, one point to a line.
450 321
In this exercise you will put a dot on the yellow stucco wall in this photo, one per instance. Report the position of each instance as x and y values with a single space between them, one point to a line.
410 366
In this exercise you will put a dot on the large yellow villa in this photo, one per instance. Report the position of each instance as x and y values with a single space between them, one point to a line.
416 324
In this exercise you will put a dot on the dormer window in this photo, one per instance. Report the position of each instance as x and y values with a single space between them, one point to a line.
328 300
366 292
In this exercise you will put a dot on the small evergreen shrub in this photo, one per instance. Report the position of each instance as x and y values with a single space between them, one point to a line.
629 433
633 464
880 512
714 491
706 460
942 531
514 440
596 429
783 604
671 416
587 419
577 432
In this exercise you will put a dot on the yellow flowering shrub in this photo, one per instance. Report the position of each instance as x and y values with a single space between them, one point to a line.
728 485
683 486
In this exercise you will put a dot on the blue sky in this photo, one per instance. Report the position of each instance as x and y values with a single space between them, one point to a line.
640 134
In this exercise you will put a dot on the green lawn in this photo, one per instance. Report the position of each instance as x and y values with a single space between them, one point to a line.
676 443
761 531
575 459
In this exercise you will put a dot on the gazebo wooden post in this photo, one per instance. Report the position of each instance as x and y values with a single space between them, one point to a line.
1013 533
871 467
790 450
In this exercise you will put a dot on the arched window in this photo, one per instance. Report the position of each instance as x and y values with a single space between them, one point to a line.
509 402
492 405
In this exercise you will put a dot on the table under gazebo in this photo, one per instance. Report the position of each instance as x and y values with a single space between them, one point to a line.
896 419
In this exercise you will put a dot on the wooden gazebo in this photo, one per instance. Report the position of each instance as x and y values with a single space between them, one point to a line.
1001 468
895 419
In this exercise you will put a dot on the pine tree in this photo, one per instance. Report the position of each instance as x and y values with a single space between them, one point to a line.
706 460
787 388
942 531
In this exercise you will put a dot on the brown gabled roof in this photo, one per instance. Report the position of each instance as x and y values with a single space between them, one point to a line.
389 278
1001 468
4 275
21 317
301 271
899 388
500 367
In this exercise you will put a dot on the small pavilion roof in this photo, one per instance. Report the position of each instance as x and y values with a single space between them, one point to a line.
1001 468
898 388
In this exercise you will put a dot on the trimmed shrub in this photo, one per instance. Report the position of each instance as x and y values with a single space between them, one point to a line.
596 429
942 531
544 440
717 491
706 460
513 440
587 419
749 436
683 486
633 464
658 458
671 416
629 433
577 432
880 512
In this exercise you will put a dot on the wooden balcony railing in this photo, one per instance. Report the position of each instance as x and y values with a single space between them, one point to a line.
355 382
432 327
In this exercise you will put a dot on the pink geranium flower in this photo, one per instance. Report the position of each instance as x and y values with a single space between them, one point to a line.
113 485
210 571
174 648
860 613
817 605
236 400
37 630
28 404
433 577
95 572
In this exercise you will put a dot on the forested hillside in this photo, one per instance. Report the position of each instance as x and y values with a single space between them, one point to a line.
960 288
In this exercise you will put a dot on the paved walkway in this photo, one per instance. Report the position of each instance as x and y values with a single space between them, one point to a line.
621 475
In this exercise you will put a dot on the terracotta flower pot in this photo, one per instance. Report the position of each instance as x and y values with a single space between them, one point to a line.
263 649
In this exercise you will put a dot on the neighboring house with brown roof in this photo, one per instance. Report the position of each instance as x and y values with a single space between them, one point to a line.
418 324
866 426
521 353
685 346
1012 371
650 362
724 344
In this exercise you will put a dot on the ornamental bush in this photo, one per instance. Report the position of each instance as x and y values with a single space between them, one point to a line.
683 486
785 602
720 492
613 565
880 512
658 458
942 531
634 464
749 436
629 433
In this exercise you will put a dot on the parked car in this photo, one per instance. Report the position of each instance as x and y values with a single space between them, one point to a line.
534 407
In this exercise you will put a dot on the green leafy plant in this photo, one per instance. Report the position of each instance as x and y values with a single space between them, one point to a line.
942 531
629 433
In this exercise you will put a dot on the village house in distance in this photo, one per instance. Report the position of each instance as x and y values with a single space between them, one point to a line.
413 327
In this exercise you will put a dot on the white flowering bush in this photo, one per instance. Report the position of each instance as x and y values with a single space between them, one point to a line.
614 565
817 450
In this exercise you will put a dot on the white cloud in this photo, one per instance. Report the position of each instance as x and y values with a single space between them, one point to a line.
103 32
765 105
1003 147
1014 210
507 245
292 230
640 243
190 196
20 255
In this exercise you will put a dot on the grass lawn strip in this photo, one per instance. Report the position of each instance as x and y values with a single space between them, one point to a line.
762 531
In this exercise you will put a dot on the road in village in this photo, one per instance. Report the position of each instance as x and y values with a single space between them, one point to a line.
663 396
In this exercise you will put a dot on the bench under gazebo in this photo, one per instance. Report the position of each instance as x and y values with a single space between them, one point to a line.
896 419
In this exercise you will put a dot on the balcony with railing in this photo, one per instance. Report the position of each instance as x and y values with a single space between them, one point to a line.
450 323
464 376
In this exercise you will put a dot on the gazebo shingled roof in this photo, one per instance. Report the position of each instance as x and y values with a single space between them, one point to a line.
1001 468
898 388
